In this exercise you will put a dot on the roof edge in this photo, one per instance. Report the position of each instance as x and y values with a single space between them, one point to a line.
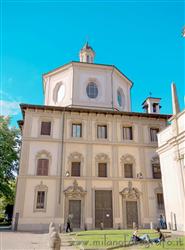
90 110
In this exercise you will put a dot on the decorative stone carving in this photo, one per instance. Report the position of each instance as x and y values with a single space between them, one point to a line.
159 189
130 192
127 159
43 154
75 156
102 158
75 190
155 159
41 187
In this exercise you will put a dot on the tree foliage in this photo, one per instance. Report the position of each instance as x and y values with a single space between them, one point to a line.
9 158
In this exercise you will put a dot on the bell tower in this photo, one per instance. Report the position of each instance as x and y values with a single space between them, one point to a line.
87 54
151 105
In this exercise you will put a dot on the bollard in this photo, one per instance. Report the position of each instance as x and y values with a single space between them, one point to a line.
134 225
151 225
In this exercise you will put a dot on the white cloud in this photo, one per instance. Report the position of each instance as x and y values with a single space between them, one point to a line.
9 108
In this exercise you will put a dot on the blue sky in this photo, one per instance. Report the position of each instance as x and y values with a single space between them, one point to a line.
142 38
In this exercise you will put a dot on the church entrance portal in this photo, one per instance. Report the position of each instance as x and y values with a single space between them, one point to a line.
75 210
103 208
132 213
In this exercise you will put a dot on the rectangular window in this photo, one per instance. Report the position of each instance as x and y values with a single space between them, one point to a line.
127 133
75 169
76 130
42 166
102 131
45 128
128 171
102 169
160 201
40 200
153 134
156 171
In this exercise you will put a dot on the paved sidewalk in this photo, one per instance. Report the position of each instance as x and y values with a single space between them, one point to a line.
31 241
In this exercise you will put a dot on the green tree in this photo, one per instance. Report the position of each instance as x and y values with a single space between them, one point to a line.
9 158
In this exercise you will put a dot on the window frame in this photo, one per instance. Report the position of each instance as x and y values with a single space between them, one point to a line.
153 138
42 167
156 175
160 206
102 164
75 135
131 166
41 128
92 90
40 188
72 166
126 134
101 126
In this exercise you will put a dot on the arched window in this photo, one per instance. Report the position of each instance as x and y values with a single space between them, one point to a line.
120 98
59 92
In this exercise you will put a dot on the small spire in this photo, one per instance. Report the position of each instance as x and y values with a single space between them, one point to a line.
87 53
175 103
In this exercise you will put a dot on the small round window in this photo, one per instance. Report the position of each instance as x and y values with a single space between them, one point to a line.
92 90
119 98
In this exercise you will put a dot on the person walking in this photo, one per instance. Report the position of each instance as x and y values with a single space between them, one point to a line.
69 222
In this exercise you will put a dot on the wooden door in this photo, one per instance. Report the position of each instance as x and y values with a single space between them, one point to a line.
131 213
103 208
75 211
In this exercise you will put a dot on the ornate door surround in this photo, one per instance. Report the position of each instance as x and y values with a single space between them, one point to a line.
130 194
75 192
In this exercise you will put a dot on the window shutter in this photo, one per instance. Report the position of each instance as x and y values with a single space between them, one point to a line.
160 201
102 170
42 166
45 163
127 133
45 128
128 170
156 171
102 131
75 169
39 167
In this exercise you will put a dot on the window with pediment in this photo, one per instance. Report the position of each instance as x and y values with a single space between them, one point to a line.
75 164
156 170
40 198
102 165
43 160
128 166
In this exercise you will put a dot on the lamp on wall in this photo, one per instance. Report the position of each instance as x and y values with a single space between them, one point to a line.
67 174
139 175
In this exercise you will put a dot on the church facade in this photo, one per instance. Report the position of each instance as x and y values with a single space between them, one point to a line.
86 154
172 157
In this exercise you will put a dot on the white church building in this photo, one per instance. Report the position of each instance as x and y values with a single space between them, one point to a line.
172 157
85 153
